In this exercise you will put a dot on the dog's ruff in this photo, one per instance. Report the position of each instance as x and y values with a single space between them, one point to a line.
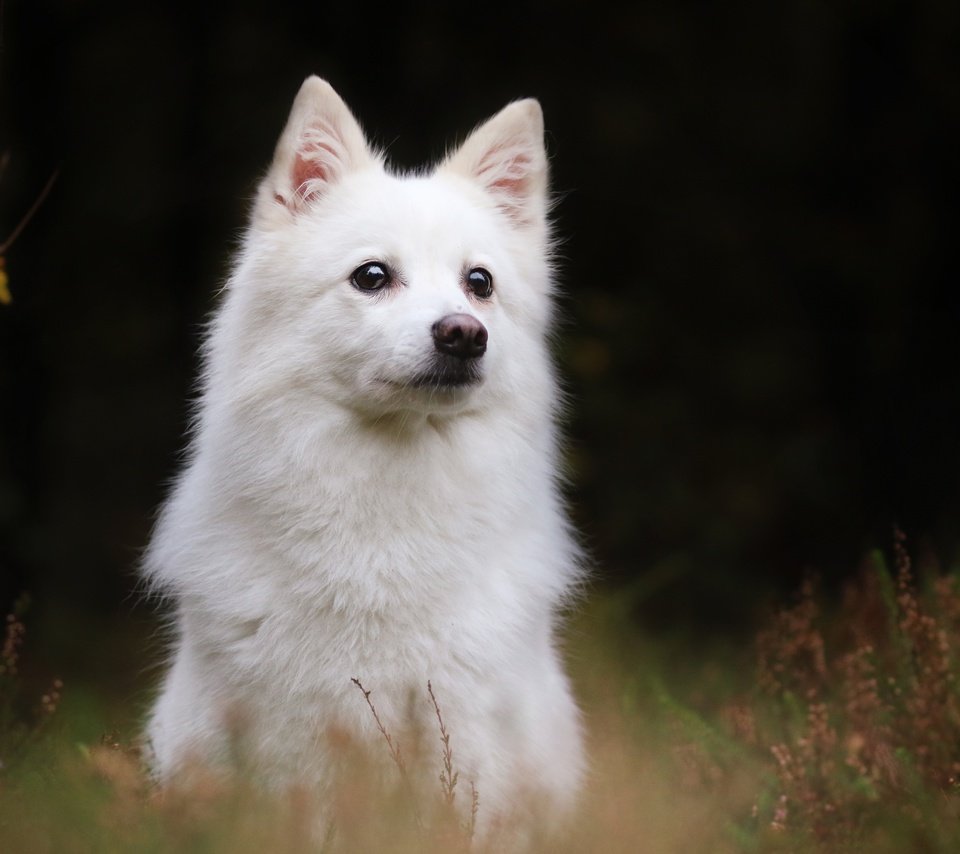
358 504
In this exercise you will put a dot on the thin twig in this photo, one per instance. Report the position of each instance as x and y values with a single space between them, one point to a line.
471 826
29 214
448 777
395 753
394 748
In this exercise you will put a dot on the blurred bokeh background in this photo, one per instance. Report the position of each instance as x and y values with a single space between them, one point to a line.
761 303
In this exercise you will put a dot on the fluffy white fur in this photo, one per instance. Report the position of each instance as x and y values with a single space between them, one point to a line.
335 522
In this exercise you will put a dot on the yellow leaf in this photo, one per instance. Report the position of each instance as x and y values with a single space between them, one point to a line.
5 297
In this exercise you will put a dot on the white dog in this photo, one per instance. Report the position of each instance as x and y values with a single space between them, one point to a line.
372 486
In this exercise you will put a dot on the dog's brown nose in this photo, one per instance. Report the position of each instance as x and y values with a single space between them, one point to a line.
460 335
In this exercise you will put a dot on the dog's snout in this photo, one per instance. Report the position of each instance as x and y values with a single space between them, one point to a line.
460 335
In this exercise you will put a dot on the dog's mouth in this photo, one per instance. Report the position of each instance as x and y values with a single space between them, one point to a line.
447 373
442 374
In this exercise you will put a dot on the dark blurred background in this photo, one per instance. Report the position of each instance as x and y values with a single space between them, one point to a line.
761 298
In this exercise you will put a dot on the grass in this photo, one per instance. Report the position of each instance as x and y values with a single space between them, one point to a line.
837 730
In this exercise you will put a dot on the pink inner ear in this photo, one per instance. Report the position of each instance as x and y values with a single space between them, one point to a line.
305 172
516 187
315 163
506 172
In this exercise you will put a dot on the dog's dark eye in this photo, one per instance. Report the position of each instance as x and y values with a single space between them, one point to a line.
480 282
371 276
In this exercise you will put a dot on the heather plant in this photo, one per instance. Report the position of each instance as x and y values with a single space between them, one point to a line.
843 735
21 721
860 711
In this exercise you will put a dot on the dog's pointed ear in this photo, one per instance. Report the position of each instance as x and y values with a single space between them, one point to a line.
321 142
507 158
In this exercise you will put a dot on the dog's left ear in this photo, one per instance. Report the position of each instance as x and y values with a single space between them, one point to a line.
506 156
320 144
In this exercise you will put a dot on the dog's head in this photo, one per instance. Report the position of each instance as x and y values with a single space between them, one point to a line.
395 293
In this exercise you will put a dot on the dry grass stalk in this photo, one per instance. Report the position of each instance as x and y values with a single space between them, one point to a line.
392 746
395 753
448 777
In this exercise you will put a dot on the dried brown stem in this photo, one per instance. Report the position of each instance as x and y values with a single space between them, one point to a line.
471 826
393 746
394 749
30 212
448 777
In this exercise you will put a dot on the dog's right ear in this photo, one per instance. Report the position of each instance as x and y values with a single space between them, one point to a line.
321 142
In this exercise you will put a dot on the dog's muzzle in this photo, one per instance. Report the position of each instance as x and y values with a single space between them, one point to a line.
459 340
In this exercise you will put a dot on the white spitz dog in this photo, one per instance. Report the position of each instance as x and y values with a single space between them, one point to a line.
372 485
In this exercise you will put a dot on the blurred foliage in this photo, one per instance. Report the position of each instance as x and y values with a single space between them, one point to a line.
838 729
755 207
